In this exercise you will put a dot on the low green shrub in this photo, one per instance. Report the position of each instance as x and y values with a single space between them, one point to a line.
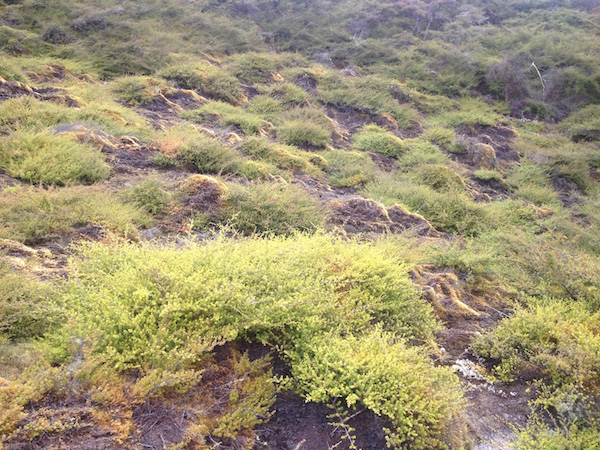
32 214
226 114
146 306
422 403
559 338
151 196
264 208
209 81
51 159
265 106
375 139
487 175
347 169
303 134
26 309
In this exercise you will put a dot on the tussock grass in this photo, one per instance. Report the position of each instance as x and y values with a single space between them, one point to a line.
51 159
33 214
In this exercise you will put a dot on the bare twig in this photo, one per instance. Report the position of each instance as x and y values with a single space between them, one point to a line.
539 75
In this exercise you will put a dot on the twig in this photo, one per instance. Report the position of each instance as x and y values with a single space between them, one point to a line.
539 75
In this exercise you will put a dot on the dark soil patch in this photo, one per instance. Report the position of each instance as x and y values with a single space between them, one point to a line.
297 425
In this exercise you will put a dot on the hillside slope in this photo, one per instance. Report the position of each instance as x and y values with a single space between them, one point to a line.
299 225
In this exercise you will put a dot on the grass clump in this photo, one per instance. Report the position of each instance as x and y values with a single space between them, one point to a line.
443 137
450 211
51 159
531 182
226 114
440 178
32 215
136 91
367 370
209 81
303 134
557 337
151 196
584 125
488 175
26 306
470 111
284 157
375 139
348 169
264 208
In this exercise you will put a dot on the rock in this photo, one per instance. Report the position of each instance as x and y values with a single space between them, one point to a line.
483 156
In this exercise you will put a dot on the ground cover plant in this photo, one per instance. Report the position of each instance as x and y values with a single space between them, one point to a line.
296 225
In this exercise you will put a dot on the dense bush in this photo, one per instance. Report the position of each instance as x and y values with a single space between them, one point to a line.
36 214
559 338
266 209
51 159
367 370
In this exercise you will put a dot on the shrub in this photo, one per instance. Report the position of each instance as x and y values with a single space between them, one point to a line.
303 134
377 140
227 114
289 95
150 307
51 159
368 370
26 310
151 196
264 208
443 137
34 214
210 81
487 175
347 169
559 338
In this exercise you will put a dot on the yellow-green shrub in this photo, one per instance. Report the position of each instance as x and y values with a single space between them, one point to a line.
51 159
35 214
147 306
376 370
347 169
559 338
266 208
